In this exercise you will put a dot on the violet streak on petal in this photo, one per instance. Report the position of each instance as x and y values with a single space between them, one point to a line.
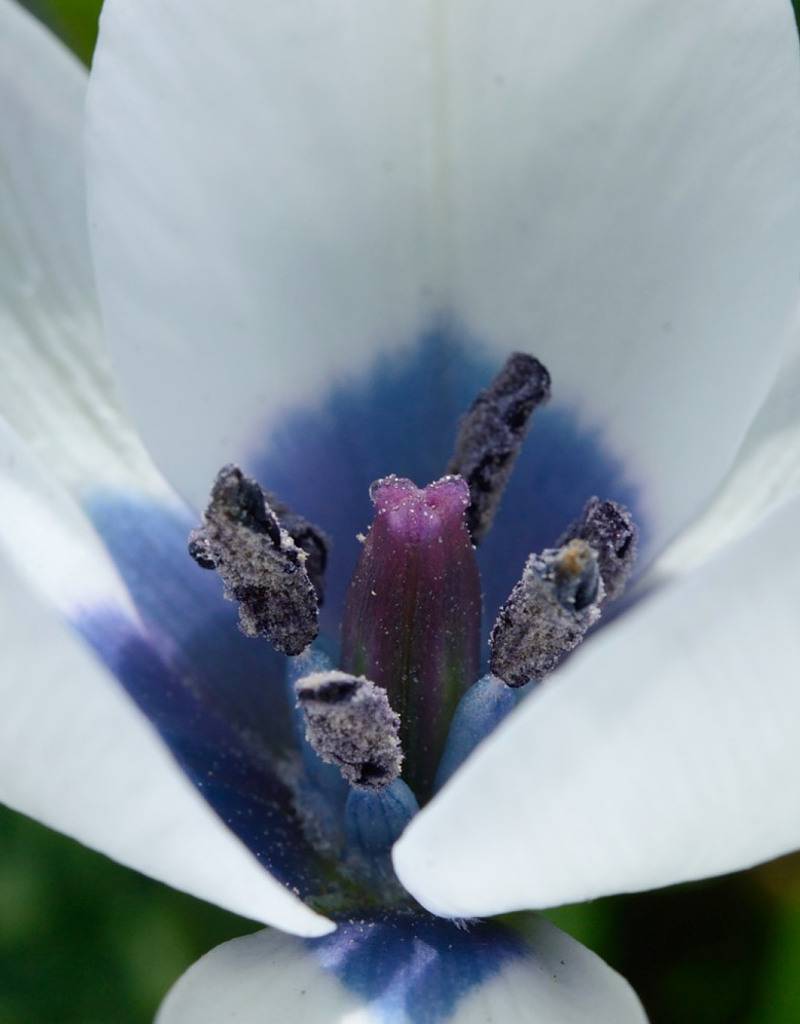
413 610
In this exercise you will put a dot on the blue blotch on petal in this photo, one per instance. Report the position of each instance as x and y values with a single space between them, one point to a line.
240 678
401 416
220 700
235 771
415 968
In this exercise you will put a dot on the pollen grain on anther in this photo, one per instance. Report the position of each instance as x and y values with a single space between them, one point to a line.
609 528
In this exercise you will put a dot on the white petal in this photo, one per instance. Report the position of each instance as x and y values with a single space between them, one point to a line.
393 974
765 474
75 752
665 751
55 382
282 193
76 755
49 541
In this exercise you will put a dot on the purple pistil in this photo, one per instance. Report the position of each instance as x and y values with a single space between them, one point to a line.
413 609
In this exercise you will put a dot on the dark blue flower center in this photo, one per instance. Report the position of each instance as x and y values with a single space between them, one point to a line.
218 699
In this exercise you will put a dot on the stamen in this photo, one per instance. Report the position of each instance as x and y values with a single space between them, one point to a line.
259 563
610 530
547 613
307 537
375 819
350 723
491 435
482 708
323 777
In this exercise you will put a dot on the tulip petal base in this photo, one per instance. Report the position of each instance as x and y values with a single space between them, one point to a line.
378 727
406 968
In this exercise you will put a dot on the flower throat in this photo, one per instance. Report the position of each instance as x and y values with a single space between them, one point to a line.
404 698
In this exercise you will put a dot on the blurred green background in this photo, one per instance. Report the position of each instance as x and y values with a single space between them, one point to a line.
84 941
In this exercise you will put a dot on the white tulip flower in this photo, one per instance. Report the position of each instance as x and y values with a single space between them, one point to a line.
309 234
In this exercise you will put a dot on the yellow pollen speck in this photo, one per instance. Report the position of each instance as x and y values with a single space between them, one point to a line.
575 557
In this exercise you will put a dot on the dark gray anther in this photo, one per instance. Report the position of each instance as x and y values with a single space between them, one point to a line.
259 563
491 435
609 528
547 613
308 538
350 723
199 550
